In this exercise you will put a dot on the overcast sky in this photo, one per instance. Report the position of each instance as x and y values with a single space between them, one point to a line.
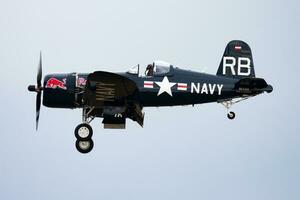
182 152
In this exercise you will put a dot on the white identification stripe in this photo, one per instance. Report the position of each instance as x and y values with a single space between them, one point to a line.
182 84
182 88
238 47
148 82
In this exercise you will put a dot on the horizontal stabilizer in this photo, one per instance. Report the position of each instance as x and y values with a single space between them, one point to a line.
252 86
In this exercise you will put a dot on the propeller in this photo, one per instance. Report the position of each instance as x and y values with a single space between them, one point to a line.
38 89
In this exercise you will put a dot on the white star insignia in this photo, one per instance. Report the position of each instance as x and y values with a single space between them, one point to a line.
165 86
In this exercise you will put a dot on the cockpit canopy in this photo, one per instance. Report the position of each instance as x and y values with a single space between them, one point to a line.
158 68
161 67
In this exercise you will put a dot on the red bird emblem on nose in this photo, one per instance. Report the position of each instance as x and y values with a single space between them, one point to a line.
55 83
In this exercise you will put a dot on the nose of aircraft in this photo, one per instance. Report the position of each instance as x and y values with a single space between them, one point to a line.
31 88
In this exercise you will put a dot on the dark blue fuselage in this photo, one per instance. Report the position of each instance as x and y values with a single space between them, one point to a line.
193 93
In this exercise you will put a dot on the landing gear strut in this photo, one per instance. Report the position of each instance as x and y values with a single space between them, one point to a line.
229 102
84 132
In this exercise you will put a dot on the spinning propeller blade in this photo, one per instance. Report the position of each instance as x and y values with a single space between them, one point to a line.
38 108
38 89
39 74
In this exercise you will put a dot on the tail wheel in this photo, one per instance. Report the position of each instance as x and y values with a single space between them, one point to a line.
231 115
83 132
84 146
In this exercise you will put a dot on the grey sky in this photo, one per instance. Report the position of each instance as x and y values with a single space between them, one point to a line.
182 152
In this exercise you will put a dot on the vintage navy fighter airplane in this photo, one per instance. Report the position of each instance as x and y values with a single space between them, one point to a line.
118 96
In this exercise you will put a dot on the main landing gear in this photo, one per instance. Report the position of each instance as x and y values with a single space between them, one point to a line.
84 142
84 132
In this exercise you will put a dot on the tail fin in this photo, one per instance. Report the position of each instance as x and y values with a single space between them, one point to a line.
237 61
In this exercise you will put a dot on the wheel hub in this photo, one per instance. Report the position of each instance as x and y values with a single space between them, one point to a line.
83 132
84 145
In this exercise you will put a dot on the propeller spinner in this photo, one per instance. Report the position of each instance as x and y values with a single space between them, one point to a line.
38 89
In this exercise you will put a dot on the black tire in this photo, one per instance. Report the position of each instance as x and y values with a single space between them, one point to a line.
231 115
84 146
83 132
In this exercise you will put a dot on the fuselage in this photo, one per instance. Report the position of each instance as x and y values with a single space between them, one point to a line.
190 88
176 87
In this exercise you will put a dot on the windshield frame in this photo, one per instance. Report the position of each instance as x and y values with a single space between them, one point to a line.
134 70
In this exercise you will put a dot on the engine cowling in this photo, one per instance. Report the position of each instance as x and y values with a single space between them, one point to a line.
63 90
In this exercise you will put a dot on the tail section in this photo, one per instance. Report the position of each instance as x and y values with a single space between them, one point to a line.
237 61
